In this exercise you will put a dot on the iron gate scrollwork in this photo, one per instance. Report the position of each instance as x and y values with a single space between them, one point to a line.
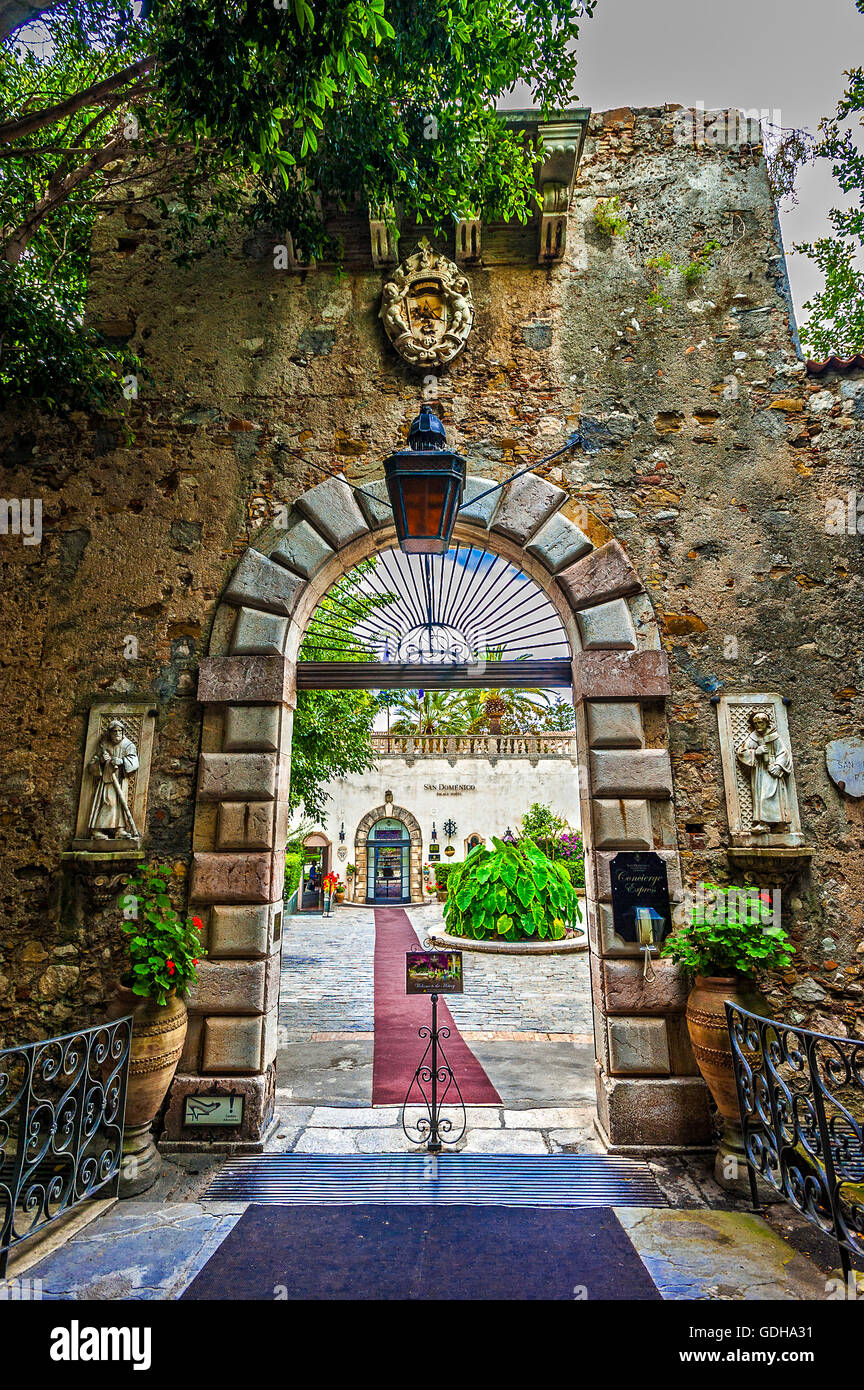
62 1106
801 1100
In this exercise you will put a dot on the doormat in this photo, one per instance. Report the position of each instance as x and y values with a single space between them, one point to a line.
399 1017
404 1252
416 1179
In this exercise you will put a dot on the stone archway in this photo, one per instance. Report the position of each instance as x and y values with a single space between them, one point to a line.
649 1095
361 843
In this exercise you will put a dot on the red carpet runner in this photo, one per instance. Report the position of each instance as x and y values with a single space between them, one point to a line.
398 1016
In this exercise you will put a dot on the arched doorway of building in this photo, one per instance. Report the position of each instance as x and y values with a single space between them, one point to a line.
316 864
388 873
648 1091
472 841
388 849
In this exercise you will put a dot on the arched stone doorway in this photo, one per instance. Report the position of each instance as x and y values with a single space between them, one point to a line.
372 875
649 1095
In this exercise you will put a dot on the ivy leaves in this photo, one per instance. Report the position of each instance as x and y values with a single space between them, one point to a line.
512 892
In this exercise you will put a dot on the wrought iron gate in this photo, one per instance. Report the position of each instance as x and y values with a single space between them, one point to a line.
62 1105
801 1100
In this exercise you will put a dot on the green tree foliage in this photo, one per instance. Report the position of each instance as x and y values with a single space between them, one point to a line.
417 712
254 113
513 892
835 322
332 734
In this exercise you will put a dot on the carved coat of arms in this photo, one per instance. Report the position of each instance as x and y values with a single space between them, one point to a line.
427 309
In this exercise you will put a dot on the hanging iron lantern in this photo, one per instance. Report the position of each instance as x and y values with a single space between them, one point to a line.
425 484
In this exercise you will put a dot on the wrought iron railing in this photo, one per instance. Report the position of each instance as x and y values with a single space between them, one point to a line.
560 745
801 1099
62 1105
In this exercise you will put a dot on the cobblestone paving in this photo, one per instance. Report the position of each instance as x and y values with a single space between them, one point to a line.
328 978
328 983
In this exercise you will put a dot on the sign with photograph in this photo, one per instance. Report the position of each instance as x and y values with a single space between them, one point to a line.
433 972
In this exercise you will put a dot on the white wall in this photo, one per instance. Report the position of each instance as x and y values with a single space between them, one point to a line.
502 791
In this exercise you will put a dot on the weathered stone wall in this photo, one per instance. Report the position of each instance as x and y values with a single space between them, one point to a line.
710 454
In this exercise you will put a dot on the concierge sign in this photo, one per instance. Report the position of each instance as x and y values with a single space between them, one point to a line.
433 972
640 892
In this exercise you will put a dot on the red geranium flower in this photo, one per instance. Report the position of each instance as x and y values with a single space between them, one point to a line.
170 965
197 923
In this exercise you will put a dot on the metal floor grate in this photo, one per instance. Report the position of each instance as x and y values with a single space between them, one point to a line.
416 1179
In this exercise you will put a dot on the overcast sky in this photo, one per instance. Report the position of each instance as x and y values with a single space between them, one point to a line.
784 54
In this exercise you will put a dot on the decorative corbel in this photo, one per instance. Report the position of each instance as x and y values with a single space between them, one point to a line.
468 240
553 222
383 235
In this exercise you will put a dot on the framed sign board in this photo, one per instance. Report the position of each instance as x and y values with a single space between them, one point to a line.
639 881
210 1110
433 972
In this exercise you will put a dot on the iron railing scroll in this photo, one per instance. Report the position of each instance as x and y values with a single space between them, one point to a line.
62 1106
801 1099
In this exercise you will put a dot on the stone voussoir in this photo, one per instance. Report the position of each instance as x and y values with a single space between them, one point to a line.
333 510
603 575
259 583
301 549
525 505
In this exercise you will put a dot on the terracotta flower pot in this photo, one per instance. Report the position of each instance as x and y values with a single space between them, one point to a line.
709 1036
158 1034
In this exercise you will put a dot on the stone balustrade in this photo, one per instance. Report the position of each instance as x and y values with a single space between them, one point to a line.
552 745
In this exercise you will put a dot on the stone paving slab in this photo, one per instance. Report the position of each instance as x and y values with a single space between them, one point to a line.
138 1250
730 1256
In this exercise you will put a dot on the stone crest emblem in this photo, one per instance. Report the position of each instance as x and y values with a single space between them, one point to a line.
427 309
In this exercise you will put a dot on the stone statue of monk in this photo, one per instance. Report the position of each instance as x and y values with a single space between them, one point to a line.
770 763
116 757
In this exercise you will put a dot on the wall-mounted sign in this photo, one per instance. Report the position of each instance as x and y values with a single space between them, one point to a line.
433 972
449 788
639 882
211 1109
845 761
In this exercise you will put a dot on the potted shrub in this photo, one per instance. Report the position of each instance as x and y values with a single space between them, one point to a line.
442 876
164 949
512 892
729 939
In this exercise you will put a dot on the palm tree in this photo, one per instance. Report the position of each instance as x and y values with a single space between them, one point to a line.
428 712
485 709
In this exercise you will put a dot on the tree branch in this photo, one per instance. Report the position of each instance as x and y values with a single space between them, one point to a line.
89 96
59 188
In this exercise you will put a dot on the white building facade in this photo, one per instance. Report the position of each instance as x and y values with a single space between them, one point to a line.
429 798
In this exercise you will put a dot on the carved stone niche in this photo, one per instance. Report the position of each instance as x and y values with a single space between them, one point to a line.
112 804
759 777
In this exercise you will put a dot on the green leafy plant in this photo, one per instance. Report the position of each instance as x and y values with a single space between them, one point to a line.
443 873
293 869
733 933
691 272
511 892
164 947
609 218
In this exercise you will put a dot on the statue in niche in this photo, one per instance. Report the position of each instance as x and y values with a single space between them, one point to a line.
114 761
770 764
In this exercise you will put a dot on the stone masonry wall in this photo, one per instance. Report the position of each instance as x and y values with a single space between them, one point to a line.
710 454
